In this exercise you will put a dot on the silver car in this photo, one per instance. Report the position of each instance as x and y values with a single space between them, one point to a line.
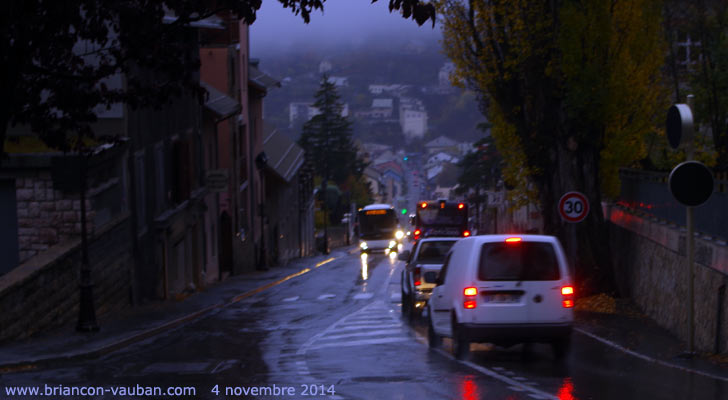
418 277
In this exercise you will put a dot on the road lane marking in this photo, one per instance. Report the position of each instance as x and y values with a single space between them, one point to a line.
294 298
363 296
223 365
372 333
326 296
359 328
396 296
278 282
360 342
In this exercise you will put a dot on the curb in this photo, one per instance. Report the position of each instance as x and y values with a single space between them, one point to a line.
135 338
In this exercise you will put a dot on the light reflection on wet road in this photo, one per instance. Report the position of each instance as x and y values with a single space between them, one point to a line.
339 327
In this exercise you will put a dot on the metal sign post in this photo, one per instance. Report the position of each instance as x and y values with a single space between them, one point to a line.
691 183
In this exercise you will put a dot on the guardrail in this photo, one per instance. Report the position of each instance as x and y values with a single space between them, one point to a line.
647 192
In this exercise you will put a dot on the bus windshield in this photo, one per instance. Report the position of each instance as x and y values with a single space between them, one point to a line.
377 224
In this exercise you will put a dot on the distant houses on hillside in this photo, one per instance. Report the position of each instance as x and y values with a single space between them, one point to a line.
305 111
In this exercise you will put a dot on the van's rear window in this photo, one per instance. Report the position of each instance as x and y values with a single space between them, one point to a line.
520 261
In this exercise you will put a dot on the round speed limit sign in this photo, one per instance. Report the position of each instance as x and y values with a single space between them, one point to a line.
573 207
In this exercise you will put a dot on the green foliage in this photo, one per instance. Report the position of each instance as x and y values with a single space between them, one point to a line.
709 78
326 138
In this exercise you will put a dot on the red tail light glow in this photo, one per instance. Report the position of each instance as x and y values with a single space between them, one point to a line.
461 206
568 293
423 205
470 304
416 276
470 291
466 233
513 240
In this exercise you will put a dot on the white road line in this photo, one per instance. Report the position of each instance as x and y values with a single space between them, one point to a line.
223 365
294 298
326 296
372 333
359 343
371 320
367 327
647 358
363 296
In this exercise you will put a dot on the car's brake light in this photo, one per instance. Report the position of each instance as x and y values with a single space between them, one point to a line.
470 301
416 276
423 205
568 293
461 206
466 233
513 240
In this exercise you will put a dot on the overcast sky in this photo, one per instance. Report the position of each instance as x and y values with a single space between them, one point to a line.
343 22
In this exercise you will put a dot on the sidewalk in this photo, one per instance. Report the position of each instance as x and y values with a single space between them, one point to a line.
621 327
138 323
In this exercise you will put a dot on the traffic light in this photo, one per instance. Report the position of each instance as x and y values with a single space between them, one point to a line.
405 158
404 211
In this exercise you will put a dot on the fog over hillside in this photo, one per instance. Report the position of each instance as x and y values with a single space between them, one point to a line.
349 23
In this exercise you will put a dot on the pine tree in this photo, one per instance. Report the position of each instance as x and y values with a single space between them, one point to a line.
326 138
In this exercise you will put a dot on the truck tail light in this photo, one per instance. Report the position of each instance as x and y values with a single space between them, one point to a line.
466 233
417 233
568 293
470 301
417 276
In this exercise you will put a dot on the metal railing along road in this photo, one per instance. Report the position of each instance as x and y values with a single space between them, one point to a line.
647 192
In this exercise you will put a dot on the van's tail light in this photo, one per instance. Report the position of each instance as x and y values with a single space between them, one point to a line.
417 276
417 233
469 294
568 293
466 233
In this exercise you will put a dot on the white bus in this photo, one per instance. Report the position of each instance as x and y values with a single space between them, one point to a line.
379 229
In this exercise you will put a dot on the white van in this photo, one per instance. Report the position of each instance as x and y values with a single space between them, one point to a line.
503 289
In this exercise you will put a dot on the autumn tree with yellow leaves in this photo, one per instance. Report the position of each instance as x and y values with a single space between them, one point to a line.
572 87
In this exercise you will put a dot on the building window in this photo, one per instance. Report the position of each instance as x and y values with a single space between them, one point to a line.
182 171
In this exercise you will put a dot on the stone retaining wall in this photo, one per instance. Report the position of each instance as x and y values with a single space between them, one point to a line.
46 216
43 292
651 268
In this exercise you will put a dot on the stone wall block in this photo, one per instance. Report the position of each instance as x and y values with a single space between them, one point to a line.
64 205
24 194
69 216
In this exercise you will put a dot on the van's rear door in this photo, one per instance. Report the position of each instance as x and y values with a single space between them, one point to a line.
502 297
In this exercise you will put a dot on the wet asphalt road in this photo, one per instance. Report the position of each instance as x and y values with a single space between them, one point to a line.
337 331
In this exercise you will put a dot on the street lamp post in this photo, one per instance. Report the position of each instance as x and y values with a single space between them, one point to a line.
324 186
261 161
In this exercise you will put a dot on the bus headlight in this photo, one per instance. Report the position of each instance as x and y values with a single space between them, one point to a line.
392 243
399 235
